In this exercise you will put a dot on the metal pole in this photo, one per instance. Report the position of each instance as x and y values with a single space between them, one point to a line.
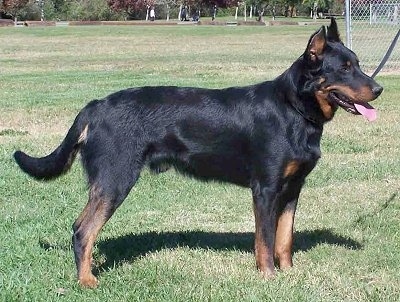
348 24
370 13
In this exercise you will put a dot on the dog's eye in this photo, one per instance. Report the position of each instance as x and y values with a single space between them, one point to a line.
346 67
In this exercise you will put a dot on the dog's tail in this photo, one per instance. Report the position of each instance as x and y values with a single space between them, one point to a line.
61 159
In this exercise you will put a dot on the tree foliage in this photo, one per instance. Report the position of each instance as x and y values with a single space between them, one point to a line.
318 5
12 7
133 5
218 3
88 10
129 6
136 9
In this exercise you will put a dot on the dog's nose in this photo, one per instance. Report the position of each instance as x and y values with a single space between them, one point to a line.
377 90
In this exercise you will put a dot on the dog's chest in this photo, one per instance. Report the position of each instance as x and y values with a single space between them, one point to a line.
304 147
313 141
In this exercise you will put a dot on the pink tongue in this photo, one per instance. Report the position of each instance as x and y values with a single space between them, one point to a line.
368 113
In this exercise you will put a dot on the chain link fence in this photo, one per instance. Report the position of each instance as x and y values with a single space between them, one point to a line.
373 26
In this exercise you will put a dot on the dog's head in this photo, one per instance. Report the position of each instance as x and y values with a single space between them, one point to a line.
335 75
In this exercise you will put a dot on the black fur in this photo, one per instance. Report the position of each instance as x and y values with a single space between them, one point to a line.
265 137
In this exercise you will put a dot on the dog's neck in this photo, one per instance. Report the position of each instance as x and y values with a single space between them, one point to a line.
302 100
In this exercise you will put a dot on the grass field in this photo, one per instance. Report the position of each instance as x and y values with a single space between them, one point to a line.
177 239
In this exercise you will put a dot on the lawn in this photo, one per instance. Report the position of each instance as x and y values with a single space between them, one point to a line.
174 238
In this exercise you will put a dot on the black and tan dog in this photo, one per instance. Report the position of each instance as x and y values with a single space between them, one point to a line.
265 137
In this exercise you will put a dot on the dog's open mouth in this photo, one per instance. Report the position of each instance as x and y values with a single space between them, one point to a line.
364 109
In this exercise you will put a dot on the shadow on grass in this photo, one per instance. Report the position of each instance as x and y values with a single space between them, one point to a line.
132 246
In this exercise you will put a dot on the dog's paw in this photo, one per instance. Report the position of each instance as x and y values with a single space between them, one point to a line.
268 275
89 281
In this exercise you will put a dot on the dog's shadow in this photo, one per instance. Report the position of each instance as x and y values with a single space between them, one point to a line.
129 247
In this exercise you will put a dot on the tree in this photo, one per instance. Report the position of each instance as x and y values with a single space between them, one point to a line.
316 6
130 7
219 3
13 7
290 7
262 6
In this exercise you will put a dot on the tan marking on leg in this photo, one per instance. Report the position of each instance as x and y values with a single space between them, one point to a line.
89 224
82 215
284 239
261 249
86 278
291 168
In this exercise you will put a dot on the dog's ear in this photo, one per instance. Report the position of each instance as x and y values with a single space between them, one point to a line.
333 32
316 45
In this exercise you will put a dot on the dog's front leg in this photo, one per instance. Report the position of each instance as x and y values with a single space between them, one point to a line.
264 206
284 235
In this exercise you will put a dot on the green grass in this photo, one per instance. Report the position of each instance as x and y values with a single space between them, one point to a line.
174 238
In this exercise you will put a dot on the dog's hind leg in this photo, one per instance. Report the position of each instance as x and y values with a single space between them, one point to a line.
103 201
265 209
86 228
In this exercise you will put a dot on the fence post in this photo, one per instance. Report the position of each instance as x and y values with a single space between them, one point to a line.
348 24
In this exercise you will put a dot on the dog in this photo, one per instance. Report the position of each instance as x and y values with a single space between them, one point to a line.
265 137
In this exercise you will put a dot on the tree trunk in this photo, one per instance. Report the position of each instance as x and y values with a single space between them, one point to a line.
261 15
167 12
